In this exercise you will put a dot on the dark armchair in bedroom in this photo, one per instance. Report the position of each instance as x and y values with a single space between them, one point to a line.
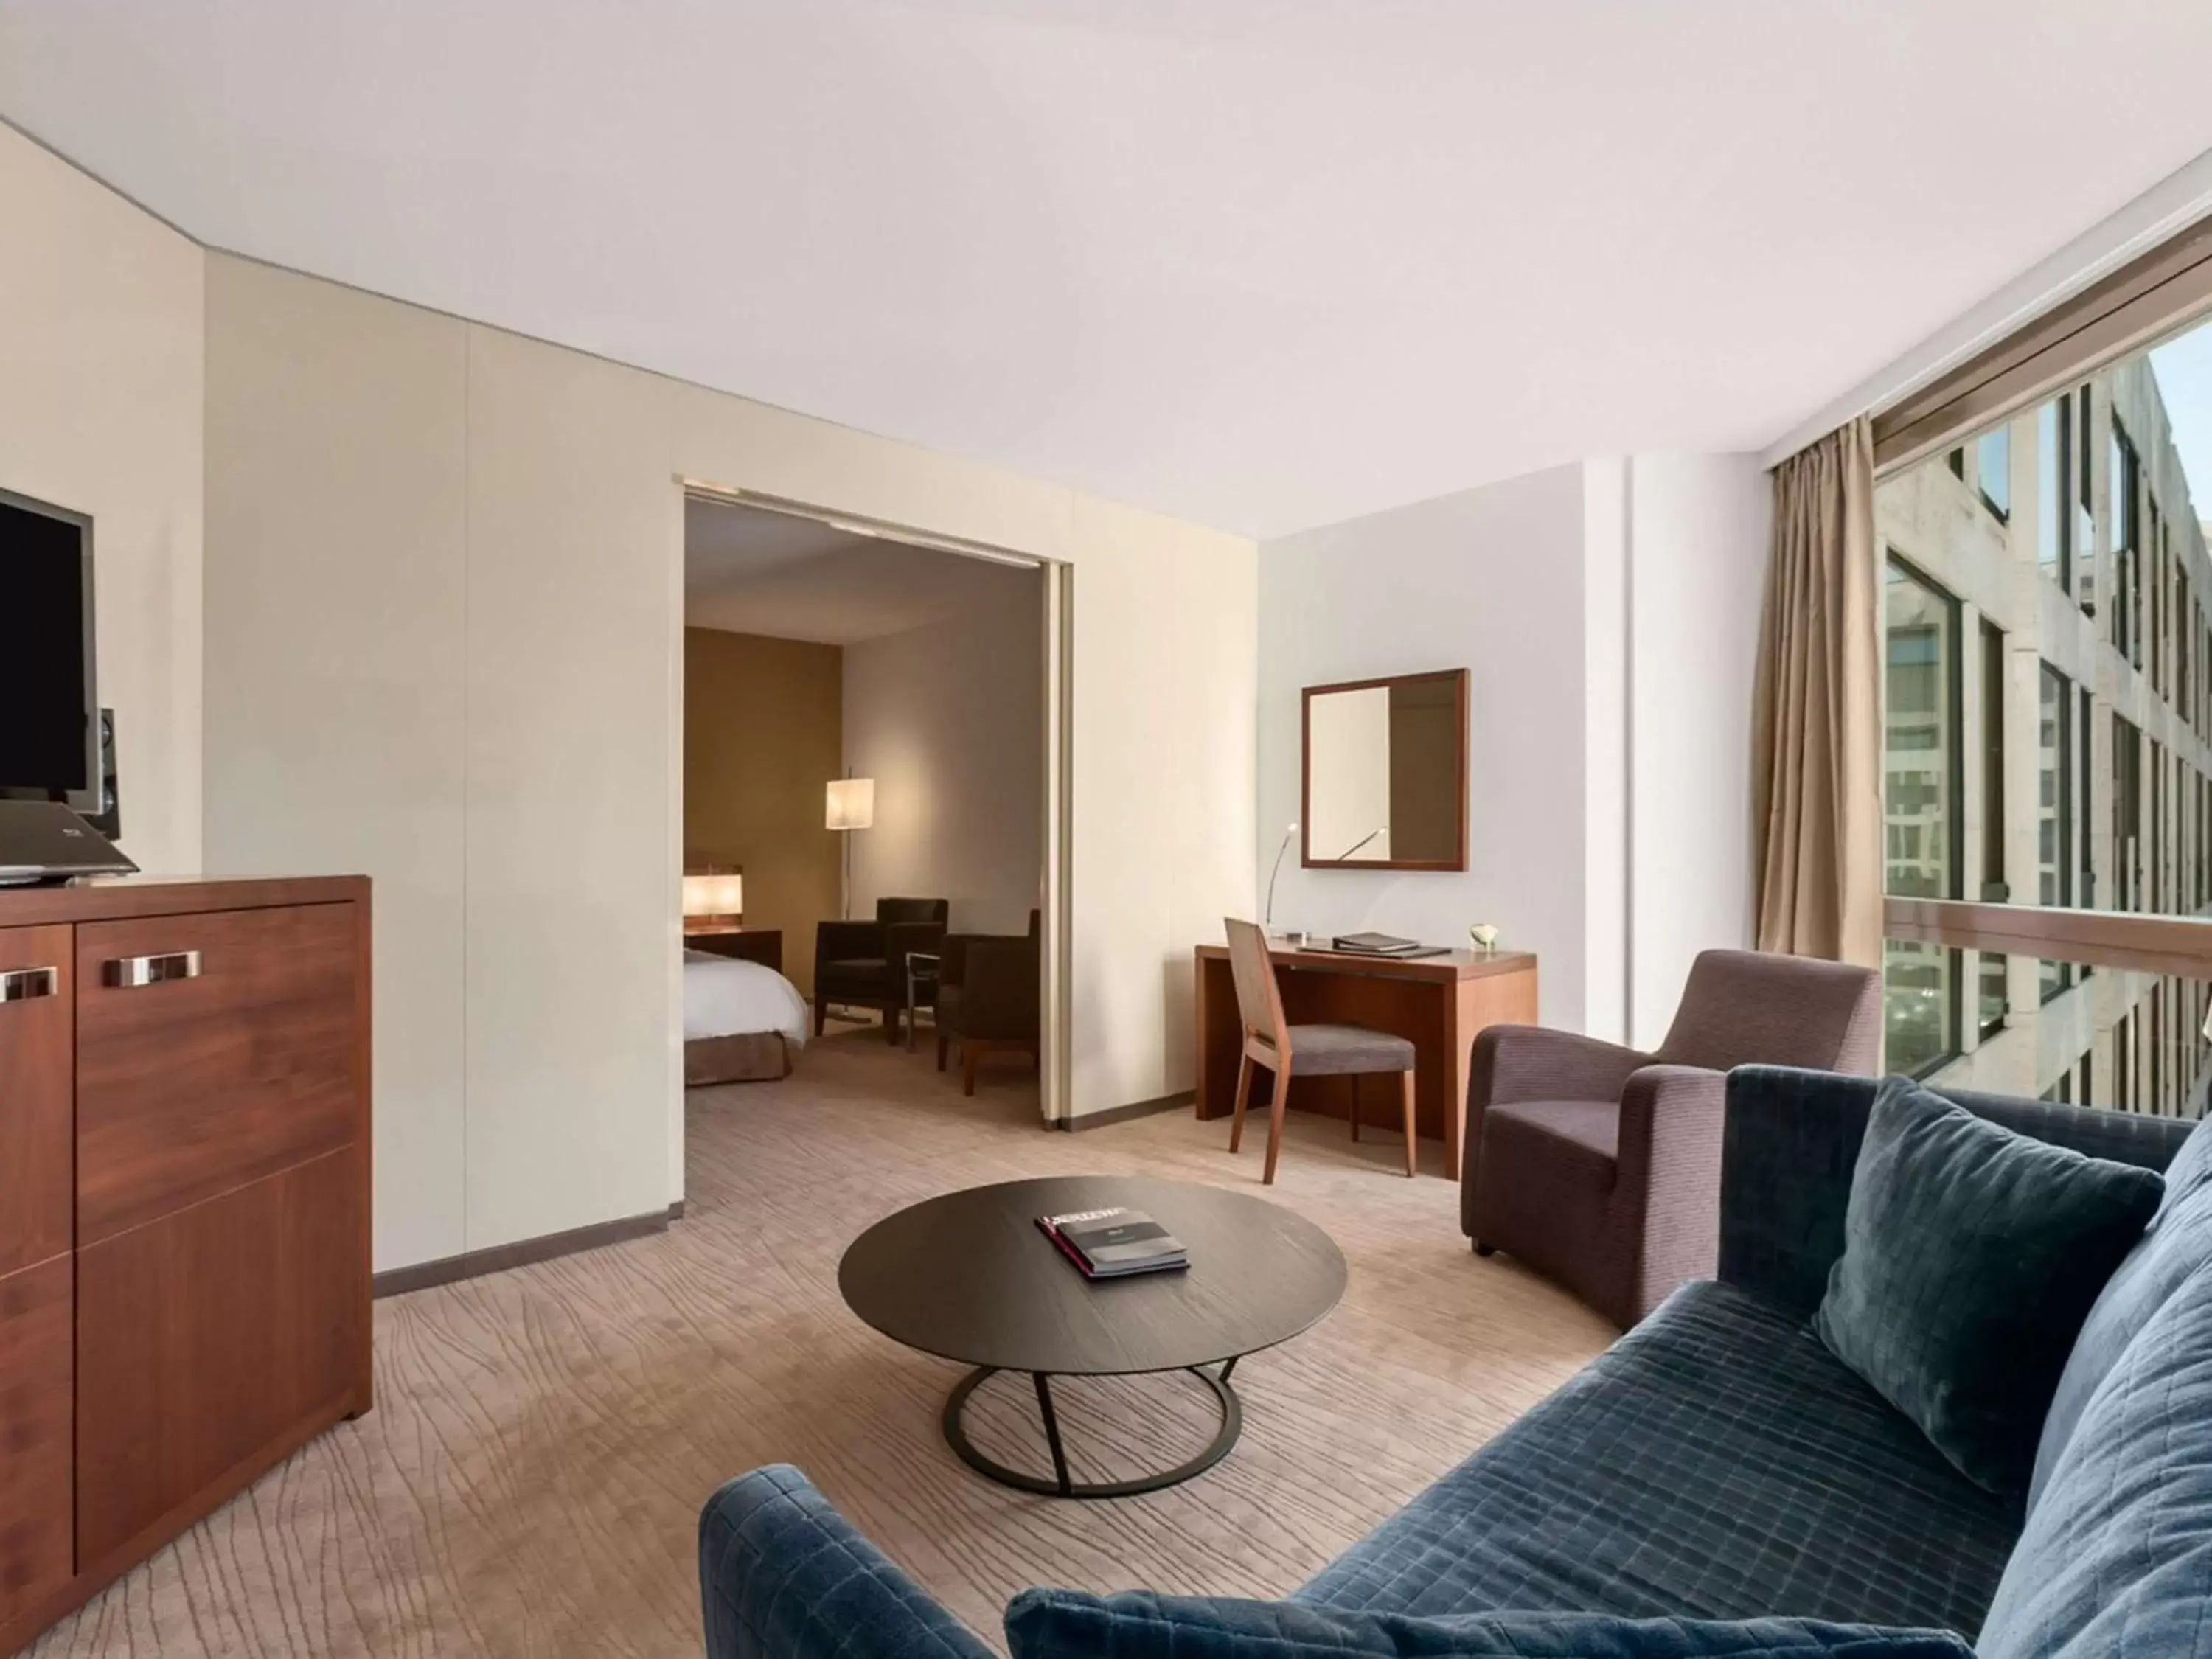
862 964
987 990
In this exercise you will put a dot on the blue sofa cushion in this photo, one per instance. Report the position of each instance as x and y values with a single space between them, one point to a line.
1717 1463
2179 1242
783 1576
1043 1624
2116 1559
1971 1255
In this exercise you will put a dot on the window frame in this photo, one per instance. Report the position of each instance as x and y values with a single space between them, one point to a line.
2001 436
1951 721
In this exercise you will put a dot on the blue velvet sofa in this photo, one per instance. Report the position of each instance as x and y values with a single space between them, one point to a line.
1718 1462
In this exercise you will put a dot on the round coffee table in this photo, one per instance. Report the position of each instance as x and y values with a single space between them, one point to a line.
969 1277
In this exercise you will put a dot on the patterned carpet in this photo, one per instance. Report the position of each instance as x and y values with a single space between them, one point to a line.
530 1479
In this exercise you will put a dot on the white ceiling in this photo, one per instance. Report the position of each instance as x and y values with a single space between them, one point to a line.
751 571
1263 263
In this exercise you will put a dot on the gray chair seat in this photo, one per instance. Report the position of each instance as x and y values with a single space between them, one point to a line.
1296 1052
1332 1051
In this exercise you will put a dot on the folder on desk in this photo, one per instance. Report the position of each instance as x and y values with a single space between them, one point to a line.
1379 945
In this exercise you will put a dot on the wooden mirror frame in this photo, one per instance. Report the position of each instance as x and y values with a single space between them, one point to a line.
1458 677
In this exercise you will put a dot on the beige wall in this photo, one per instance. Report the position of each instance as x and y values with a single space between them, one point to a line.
949 719
101 364
762 720
336 685
525 833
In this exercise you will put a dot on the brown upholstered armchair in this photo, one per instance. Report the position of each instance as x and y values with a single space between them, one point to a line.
1600 1166
987 992
863 963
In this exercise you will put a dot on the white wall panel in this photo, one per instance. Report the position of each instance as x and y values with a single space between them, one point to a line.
574 561
1491 580
336 692
101 395
457 568
1699 526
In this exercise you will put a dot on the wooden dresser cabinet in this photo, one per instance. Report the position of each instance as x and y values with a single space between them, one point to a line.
184 1210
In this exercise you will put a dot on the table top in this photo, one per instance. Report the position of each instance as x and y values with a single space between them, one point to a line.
1449 964
969 1277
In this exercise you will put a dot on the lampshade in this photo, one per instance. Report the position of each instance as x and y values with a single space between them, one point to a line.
852 803
714 896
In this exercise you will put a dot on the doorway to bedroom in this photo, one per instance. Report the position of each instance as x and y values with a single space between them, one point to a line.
867 822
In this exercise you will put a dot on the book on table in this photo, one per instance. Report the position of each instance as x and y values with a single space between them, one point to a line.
1381 944
1114 1243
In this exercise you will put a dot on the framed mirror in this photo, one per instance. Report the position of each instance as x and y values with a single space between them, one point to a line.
1385 774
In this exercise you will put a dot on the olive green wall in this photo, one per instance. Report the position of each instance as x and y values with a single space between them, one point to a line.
763 731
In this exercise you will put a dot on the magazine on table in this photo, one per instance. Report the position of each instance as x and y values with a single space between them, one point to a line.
1114 1243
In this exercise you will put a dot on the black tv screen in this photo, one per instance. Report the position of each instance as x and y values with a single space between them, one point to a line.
50 731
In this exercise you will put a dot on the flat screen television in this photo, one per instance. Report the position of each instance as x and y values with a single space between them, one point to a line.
49 696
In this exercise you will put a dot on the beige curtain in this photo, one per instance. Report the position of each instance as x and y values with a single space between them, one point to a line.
1816 761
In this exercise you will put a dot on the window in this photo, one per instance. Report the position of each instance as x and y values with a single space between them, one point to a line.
1920 740
2082 541
1923 825
2111 809
2052 507
1994 1000
1993 469
2127 815
2183 611
2156 1098
2154 882
1919 1007
2085 805
2125 548
2124 1070
1994 890
2155 595
2054 808
2203 711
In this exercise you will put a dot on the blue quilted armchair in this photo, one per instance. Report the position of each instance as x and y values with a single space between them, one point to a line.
1711 1483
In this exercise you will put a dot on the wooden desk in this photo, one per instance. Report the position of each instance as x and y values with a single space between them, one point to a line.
1439 1003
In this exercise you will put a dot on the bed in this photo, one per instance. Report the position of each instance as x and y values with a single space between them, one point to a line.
742 1021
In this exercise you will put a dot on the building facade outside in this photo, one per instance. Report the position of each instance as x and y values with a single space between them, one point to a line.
2048 740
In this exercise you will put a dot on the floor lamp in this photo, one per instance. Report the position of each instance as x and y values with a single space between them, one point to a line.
852 807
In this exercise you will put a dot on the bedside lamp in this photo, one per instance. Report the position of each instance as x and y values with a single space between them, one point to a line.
714 897
851 805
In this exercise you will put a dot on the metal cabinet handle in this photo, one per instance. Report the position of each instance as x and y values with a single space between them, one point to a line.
21 984
128 973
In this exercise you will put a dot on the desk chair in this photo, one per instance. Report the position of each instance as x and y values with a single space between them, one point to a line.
1309 1050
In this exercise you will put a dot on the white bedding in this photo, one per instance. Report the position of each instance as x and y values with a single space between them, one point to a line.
723 996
